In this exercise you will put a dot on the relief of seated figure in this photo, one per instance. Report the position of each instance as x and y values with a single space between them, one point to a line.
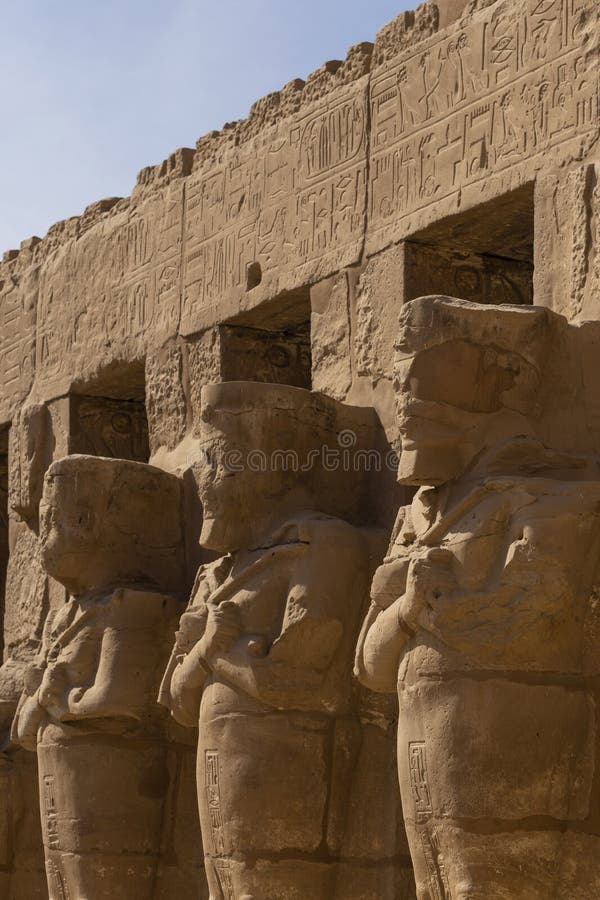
484 615
263 657
111 534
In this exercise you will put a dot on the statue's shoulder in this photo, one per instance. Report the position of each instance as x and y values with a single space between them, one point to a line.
321 530
209 577
541 486
336 545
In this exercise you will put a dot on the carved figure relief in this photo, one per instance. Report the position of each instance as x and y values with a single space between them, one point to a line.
112 428
483 614
263 655
111 534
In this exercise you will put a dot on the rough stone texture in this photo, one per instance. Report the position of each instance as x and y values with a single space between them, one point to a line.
457 155
22 871
4 540
567 265
331 331
29 457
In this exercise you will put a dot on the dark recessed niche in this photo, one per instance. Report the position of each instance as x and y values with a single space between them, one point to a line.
483 254
253 276
108 415
270 342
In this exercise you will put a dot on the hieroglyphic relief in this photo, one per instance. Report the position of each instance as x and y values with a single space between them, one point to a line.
419 779
284 200
51 817
475 101
148 253
4 540
115 288
213 797
17 322
56 882
438 879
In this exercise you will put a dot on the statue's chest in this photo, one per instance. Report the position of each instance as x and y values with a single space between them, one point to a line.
261 600
526 526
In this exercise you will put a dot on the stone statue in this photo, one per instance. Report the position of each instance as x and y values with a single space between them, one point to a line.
111 534
484 615
263 658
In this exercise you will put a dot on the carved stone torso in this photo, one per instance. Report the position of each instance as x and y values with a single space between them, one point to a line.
269 749
99 660
297 618
526 551
496 699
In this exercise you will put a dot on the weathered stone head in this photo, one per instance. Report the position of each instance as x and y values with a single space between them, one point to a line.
466 377
111 522
269 450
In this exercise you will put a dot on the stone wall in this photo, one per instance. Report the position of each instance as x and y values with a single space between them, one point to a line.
322 176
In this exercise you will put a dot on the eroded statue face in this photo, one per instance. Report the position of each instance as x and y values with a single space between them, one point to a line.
68 518
234 485
107 522
260 459
449 397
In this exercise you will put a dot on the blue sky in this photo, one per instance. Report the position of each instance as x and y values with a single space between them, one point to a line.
93 90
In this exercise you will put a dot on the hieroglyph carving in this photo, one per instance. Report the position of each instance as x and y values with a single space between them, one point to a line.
285 200
467 104
117 286
17 325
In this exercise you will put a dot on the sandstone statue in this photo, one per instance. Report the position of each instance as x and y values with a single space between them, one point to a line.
111 534
484 613
263 658
457 155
